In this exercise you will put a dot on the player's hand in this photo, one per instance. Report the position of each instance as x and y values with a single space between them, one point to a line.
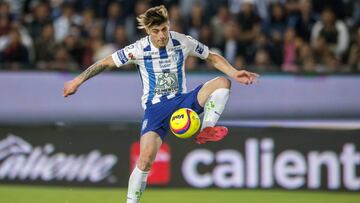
70 87
245 77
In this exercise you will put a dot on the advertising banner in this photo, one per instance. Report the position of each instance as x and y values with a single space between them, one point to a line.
275 158
66 156
119 93
287 158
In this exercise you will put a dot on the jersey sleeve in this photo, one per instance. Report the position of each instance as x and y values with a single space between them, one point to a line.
197 48
125 55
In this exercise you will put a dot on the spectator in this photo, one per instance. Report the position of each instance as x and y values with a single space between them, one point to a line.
354 58
131 23
217 24
96 32
306 59
14 53
64 22
16 8
278 21
73 47
191 63
213 6
88 22
94 42
205 36
230 46
196 20
337 6
187 5
249 28
333 31
292 7
176 19
240 62
62 61
356 13
262 61
262 43
25 39
5 18
289 51
102 49
261 7
45 47
121 39
41 17
246 31
304 22
113 20
326 59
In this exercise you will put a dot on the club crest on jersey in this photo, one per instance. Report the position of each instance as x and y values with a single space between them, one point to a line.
175 56
199 48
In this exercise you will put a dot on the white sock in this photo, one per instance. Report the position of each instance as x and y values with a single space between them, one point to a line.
214 107
137 184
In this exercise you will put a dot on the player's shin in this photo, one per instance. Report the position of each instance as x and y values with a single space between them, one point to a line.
214 107
137 184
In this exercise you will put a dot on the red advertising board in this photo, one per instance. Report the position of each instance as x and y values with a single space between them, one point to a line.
160 172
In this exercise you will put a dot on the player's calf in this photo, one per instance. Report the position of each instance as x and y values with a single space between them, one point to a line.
213 108
145 163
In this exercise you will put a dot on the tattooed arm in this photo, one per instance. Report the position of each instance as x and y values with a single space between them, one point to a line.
71 86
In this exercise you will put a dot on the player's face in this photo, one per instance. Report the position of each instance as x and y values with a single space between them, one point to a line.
159 34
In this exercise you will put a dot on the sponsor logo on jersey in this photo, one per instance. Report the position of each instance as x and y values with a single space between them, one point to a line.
165 63
167 83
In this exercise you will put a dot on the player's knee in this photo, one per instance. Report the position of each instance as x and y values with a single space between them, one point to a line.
223 82
144 164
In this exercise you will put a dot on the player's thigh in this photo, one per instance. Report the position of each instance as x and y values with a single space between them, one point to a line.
210 86
150 143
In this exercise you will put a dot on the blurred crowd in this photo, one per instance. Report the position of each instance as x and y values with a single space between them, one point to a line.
320 36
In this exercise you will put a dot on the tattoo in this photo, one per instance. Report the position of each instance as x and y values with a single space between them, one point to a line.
93 70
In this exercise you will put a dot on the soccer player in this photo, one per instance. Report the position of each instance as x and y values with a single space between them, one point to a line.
160 58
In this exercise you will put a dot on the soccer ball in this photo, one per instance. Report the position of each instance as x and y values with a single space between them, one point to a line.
184 123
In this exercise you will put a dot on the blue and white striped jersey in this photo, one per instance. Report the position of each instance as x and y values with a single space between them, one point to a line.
162 71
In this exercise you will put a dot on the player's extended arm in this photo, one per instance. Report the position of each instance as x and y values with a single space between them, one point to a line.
242 76
71 86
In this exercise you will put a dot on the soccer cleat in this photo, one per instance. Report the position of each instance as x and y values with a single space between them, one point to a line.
211 134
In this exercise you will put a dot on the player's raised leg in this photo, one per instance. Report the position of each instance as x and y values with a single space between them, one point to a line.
150 143
213 97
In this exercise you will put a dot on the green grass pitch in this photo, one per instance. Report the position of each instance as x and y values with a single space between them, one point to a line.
28 194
